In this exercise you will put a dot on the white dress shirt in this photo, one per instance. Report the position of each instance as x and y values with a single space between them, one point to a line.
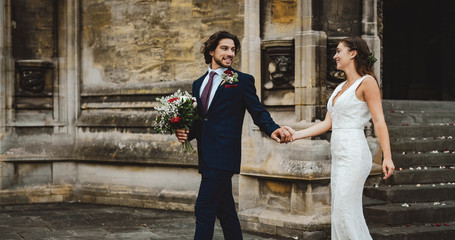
216 82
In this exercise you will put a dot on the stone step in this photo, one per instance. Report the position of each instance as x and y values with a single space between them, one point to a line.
399 118
422 131
434 231
395 214
413 105
430 175
428 159
415 193
422 145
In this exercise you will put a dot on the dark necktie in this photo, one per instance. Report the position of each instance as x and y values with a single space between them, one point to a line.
205 97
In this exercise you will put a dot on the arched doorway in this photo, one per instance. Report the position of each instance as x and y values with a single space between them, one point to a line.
419 49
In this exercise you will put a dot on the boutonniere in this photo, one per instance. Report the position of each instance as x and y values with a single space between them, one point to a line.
229 77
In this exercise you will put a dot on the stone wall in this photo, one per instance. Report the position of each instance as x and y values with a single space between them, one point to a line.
126 42
109 61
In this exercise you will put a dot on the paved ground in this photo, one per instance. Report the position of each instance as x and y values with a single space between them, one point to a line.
83 221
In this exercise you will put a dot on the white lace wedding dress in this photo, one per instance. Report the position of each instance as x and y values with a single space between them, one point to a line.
351 163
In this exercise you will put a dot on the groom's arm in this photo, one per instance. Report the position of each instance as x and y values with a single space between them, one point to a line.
260 115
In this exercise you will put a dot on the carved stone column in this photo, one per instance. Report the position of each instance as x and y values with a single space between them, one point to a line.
370 33
69 65
310 62
251 43
6 66
6 78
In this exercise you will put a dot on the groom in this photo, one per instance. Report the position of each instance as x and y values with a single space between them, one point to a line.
223 94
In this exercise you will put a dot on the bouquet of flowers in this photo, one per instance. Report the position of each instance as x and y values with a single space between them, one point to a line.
176 111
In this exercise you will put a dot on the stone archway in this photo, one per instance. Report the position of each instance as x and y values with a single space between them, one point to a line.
418 50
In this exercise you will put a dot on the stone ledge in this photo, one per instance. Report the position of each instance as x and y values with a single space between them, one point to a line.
154 88
108 195
36 194
136 197
275 222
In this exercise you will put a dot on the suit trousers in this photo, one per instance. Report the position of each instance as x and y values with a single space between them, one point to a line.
215 200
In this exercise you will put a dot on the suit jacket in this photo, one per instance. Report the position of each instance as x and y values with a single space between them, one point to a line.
218 132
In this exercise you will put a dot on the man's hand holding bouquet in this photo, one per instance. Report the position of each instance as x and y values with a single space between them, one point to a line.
176 111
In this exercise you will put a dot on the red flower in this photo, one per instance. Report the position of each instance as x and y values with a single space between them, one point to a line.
176 120
229 73
173 99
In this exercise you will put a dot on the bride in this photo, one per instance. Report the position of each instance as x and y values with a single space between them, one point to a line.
352 104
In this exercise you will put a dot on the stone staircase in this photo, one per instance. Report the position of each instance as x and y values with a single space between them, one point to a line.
418 201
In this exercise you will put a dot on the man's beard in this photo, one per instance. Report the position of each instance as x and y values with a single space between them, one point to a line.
220 63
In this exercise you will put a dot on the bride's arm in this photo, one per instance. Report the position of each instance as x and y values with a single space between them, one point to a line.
316 129
372 96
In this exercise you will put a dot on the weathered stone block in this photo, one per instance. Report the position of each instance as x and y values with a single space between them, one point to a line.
29 174
308 198
300 234
275 194
258 227
249 187
7 177
64 173
279 98
307 95
305 113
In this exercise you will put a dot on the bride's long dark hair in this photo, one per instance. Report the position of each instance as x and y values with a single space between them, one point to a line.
362 66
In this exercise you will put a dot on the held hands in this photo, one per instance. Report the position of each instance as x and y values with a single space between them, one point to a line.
281 135
182 135
387 168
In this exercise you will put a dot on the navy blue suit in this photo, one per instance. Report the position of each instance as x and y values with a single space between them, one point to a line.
218 135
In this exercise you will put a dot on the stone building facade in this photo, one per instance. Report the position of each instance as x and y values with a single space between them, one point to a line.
79 79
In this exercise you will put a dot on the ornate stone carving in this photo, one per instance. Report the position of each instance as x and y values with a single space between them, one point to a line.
32 76
280 69
279 64
32 80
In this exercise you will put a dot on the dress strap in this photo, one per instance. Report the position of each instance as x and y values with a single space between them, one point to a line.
359 81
